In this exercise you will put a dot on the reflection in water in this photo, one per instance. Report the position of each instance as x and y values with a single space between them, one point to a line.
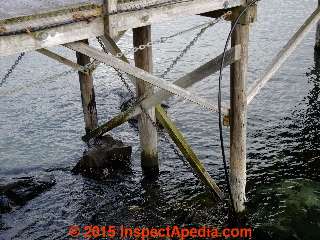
291 207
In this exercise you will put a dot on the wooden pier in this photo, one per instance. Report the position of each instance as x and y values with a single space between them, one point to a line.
35 25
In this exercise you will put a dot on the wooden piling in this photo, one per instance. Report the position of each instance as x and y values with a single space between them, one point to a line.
147 131
238 115
87 93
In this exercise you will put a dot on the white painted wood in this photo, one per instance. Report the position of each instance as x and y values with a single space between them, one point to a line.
283 55
138 73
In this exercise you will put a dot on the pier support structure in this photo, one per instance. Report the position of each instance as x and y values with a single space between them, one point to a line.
238 113
147 131
87 93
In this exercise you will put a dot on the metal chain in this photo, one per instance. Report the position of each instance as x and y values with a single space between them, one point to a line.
171 66
85 68
154 123
11 69
186 49
165 39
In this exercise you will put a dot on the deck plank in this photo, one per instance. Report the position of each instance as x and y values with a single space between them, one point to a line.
11 9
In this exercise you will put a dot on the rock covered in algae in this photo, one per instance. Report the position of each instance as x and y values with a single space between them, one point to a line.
18 191
103 158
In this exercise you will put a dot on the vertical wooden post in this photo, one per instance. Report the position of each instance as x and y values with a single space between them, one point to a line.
109 7
148 133
238 115
87 94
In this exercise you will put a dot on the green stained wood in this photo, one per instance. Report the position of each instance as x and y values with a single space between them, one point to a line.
187 151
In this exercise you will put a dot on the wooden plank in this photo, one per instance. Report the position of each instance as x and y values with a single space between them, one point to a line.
144 17
11 9
174 132
238 118
51 37
138 73
109 7
284 54
61 59
187 151
186 81
147 132
87 94
57 26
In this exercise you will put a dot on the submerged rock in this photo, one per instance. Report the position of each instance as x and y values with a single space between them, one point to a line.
18 191
104 158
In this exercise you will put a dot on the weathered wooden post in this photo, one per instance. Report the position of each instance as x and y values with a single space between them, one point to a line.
238 112
109 7
87 93
148 132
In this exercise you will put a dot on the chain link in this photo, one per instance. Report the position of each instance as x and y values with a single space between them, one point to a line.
85 68
165 39
133 98
144 111
11 69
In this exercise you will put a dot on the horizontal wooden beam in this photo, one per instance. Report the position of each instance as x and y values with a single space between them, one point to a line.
140 74
171 128
143 17
188 80
50 37
84 21
283 55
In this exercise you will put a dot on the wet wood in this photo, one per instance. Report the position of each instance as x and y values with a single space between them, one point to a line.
147 132
238 118
188 80
87 94
188 153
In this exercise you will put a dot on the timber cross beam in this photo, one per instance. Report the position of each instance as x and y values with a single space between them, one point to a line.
173 131
188 80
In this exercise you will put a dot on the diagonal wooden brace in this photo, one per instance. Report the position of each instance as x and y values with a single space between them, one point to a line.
140 74
188 80
173 131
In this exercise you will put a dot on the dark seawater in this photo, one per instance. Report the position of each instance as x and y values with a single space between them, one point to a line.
41 126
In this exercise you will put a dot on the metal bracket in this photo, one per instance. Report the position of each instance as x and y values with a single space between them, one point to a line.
227 119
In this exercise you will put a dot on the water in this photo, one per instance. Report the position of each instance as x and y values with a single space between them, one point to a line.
42 125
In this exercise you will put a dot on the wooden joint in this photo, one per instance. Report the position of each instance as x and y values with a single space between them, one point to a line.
249 17
219 13
109 8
